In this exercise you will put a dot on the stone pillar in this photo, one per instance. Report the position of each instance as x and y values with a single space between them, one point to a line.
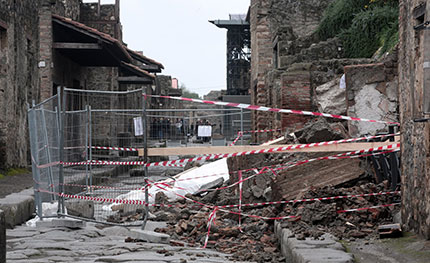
2 237
261 59
45 50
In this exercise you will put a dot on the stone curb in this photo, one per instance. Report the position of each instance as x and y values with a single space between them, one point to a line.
310 250
18 207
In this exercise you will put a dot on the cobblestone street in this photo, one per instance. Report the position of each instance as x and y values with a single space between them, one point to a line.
95 244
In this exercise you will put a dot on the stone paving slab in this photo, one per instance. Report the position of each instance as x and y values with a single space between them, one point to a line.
96 244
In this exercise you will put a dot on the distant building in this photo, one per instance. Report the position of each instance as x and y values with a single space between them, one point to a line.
59 43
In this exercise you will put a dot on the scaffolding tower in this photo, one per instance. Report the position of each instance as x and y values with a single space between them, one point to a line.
238 53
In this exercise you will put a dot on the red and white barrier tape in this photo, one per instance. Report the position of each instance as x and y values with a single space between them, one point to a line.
126 149
366 208
220 156
235 140
262 108
211 220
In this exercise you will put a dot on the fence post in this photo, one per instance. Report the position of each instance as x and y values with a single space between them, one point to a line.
48 153
90 142
2 237
87 147
61 106
145 157
34 160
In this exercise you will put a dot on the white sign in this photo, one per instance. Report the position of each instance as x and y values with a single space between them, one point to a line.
138 126
204 131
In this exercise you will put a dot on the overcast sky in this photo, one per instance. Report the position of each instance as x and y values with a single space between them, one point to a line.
177 33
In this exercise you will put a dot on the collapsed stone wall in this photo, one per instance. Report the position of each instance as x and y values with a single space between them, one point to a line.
371 92
18 77
415 137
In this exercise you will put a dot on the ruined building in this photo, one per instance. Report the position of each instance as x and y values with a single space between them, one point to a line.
414 90
291 68
46 44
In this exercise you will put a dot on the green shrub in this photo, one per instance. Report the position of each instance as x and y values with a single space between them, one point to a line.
363 25
390 37
338 16
368 29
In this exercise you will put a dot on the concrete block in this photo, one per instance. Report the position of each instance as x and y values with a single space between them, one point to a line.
62 222
150 236
18 207
80 208
2 237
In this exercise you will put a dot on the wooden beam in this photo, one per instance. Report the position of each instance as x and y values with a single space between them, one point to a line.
343 147
68 45
134 79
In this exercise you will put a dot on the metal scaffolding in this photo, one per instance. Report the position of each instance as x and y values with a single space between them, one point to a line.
238 53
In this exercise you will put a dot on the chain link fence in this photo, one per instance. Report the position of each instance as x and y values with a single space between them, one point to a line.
87 149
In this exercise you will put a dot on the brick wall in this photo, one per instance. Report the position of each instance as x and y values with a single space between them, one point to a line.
415 137
295 94
261 58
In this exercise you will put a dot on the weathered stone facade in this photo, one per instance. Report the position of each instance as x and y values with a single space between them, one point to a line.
19 42
415 136
35 59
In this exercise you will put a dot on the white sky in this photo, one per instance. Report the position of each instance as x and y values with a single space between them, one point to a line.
177 33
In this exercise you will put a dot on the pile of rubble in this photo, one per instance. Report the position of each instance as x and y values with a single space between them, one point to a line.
319 217
187 222
188 226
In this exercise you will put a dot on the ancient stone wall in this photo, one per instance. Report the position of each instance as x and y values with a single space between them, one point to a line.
18 77
67 8
371 93
415 136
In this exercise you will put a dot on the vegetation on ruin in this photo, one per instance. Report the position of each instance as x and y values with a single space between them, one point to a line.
364 26
186 93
